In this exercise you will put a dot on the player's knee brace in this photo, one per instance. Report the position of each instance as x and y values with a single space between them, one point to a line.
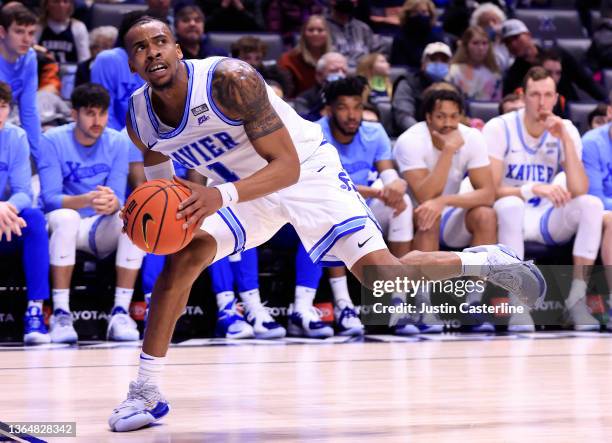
64 227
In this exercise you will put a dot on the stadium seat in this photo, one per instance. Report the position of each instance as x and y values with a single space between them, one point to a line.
578 47
224 40
396 72
483 110
607 75
562 4
386 117
106 14
550 24
578 114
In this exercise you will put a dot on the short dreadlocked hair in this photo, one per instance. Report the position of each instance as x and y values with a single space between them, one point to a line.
352 85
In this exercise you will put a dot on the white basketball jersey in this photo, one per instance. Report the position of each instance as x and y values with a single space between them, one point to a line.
208 141
528 164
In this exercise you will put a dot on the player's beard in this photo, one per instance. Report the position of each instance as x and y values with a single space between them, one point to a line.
343 131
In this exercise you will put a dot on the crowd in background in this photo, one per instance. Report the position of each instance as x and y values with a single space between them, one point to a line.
66 163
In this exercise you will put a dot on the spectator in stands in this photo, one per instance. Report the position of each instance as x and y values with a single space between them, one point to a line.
600 52
417 30
490 18
301 61
597 159
456 16
511 102
83 173
601 115
18 66
363 147
521 45
375 68
406 100
111 70
550 59
434 156
22 226
288 17
161 9
384 16
253 51
351 37
528 148
189 29
100 39
65 37
331 66
233 15
473 69
370 113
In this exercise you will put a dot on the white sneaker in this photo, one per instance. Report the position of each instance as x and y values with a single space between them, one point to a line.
506 270
264 325
61 327
121 327
307 323
143 406
35 332
521 322
231 324
582 319
430 323
348 322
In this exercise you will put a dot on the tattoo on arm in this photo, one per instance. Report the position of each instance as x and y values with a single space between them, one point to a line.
240 92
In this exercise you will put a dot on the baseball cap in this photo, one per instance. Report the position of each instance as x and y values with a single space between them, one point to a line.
437 48
513 27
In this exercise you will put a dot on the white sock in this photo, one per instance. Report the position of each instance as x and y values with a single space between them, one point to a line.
474 296
339 287
251 299
577 293
223 298
123 298
472 263
60 299
150 368
35 304
304 297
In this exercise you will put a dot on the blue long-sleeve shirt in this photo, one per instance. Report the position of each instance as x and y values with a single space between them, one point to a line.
68 168
597 159
110 69
22 76
15 170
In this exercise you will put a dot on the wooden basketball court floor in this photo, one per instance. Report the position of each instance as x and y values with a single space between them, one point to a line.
544 387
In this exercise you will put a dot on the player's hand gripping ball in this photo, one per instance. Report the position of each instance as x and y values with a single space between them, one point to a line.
150 217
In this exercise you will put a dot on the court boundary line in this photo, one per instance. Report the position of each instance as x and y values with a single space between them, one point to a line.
281 362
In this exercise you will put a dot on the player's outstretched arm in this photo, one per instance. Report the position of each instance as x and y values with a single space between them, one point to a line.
240 92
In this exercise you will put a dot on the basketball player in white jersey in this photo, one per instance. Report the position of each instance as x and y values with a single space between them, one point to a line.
528 148
218 116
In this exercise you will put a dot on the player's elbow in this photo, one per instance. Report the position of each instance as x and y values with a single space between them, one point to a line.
291 172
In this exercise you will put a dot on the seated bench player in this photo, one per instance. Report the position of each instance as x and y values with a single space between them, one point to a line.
83 172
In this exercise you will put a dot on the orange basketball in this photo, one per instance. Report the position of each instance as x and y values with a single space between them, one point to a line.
150 213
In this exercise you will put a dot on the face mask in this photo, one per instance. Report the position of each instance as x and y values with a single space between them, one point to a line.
345 7
418 25
491 32
333 76
437 70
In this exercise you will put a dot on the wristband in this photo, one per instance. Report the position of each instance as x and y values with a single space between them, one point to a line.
388 175
229 194
527 191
